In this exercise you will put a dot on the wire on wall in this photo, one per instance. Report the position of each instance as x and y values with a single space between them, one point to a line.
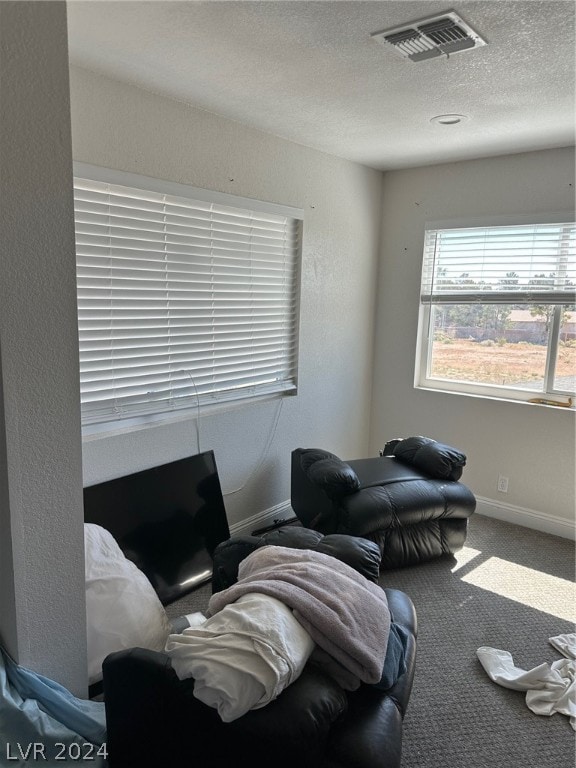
265 451
197 410
264 454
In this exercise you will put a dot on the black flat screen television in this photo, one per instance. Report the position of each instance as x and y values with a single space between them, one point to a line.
168 520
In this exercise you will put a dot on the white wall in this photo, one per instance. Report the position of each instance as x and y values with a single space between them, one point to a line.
42 606
118 126
532 445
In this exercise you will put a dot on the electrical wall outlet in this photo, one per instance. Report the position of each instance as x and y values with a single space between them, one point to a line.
502 484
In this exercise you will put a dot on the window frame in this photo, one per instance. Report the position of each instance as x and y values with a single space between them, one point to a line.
171 408
425 338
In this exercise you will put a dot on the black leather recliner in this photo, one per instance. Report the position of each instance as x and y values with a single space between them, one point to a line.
154 720
408 500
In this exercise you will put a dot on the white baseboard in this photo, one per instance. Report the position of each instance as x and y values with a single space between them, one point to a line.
529 518
282 511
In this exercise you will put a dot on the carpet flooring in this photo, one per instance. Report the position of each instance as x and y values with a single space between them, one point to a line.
510 588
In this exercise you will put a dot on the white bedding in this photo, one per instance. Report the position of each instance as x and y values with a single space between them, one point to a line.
122 608
549 688
346 615
242 657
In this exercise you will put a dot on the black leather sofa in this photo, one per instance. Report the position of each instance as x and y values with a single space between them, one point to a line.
154 720
408 500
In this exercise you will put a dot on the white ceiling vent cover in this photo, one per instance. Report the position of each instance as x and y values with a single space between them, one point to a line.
440 35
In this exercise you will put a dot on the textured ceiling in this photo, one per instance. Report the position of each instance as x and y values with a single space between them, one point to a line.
310 72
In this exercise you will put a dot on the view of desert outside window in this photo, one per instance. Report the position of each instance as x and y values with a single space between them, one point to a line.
506 347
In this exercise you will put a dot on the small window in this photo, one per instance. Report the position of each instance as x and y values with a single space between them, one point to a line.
498 311
184 296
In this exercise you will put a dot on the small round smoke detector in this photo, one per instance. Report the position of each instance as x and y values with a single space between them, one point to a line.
449 119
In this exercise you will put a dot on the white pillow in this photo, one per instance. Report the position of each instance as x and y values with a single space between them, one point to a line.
122 608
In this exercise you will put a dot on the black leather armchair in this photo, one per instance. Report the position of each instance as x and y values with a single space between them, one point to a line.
153 718
408 500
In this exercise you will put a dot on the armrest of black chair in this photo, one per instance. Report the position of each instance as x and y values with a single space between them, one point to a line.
319 480
148 709
335 477
438 460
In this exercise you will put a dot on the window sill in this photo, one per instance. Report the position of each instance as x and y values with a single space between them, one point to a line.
498 398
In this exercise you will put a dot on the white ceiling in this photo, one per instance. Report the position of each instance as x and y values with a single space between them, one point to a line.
310 72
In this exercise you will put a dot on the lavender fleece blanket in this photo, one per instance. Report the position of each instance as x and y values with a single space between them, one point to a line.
346 615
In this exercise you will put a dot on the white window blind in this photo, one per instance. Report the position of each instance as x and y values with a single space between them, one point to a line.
181 299
524 264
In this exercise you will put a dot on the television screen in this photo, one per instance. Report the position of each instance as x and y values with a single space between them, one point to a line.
168 520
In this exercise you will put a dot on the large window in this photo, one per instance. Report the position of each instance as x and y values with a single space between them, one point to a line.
184 296
498 311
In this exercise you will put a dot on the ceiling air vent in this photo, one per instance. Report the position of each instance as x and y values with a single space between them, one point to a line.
435 36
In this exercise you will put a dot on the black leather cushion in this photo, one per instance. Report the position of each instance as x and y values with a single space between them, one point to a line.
309 456
227 556
300 720
435 459
292 536
359 553
385 470
335 476
355 551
